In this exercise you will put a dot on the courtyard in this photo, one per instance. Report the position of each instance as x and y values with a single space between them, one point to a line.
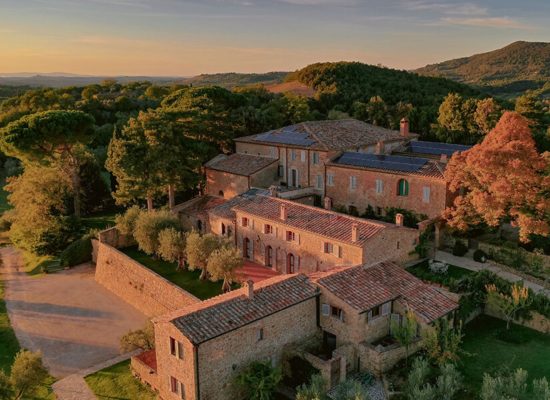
72 320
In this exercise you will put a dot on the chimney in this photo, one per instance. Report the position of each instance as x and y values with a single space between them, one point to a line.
404 127
399 219
250 289
328 203
273 191
443 158
354 234
284 212
380 147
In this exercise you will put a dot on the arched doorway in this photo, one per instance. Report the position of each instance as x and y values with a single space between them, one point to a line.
269 256
290 263
220 193
247 248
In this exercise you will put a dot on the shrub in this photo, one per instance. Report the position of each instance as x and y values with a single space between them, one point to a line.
5 224
148 226
459 249
78 252
143 339
126 223
259 380
480 256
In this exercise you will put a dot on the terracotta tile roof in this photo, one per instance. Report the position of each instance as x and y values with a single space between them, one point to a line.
240 164
199 205
326 223
148 358
344 134
225 210
219 315
365 287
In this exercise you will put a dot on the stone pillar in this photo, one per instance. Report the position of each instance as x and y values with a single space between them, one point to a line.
343 372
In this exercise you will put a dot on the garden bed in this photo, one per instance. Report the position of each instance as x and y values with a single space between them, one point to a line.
454 273
187 280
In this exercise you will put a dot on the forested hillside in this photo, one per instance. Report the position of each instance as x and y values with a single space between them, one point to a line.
355 88
507 71
233 79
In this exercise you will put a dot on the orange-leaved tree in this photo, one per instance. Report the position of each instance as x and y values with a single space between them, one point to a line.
502 178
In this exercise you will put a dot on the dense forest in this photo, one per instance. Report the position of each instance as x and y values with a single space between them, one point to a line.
232 79
508 71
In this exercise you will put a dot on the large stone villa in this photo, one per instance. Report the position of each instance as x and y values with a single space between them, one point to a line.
338 280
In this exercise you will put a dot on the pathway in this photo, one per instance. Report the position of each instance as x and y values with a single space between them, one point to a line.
473 265
74 387
75 322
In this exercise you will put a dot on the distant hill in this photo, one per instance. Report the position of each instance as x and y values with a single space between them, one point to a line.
232 79
509 70
57 80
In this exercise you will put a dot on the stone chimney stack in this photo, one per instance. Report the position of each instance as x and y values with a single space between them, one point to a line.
328 203
284 212
250 289
380 147
354 233
399 218
443 158
404 127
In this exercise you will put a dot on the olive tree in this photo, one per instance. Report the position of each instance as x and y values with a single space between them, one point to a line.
148 226
172 243
222 264
198 250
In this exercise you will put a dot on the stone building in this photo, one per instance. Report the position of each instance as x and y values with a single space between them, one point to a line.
203 347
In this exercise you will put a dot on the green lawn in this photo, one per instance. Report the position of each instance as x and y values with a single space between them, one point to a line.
489 353
422 271
100 220
34 263
187 280
9 346
117 382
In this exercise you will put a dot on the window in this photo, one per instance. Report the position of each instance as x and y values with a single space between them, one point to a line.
220 193
260 334
426 194
182 391
325 310
379 186
337 313
378 210
353 182
244 221
303 156
315 158
386 308
290 236
398 245
330 180
328 248
319 182
281 171
374 313
172 346
180 350
173 385
402 187
268 229
223 229
292 154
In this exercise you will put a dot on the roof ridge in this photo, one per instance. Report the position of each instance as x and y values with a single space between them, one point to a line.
308 130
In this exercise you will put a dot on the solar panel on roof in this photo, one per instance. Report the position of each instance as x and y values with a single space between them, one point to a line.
287 135
396 163
437 148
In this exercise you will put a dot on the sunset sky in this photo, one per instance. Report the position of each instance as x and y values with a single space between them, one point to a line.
188 37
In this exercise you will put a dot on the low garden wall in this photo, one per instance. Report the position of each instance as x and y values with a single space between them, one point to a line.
114 238
382 360
136 284
537 322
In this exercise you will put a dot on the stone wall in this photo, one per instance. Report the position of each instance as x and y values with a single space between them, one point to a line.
382 361
225 184
136 284
144 373
537 322
114 238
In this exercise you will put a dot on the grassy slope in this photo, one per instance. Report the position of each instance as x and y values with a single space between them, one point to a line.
117 382
187 280
489 354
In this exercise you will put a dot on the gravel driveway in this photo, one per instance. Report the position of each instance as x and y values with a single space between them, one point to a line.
73 320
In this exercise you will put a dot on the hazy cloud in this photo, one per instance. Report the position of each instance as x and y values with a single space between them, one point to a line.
491 22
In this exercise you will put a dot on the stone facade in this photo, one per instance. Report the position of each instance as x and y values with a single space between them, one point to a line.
427 195
138 285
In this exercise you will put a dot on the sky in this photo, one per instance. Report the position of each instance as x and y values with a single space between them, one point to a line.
189 37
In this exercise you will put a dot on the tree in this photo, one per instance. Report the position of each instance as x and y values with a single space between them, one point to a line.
314 391
198 249
530 107
442 342
27 374
501 178
126 222
222 264
143 339
487 114
148 227
259 380
351 390
171 247
509 386
510 304
451 114
377 111
55 138
405 332
445 387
